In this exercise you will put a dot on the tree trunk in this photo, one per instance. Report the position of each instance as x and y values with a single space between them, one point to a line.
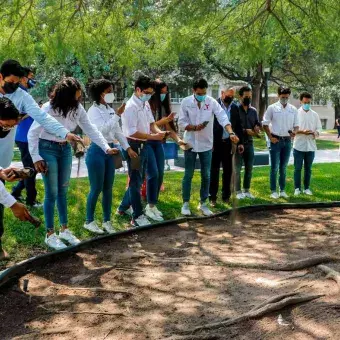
256 85
262 102
336 102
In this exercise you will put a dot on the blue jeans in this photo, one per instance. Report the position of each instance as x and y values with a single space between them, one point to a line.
247 157
190 161
132 195
101 169
305 158
56 181
279 157
155 170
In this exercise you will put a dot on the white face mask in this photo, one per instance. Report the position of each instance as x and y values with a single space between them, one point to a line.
109 98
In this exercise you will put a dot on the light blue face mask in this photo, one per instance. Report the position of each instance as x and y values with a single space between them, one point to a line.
145 97
200 98
306 107
163 95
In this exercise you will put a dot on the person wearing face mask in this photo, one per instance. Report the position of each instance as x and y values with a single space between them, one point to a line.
27 82
304 145
283 119
196 118
139 127
222 148
52 156
251 127
100 165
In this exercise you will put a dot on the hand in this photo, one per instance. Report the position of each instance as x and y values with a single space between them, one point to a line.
181 142
234 139
250 132
240 149
257 129
274 140
131 153
112 151
292 134
71 137
8 175
158 136
41 167
20 211
171 117
200 127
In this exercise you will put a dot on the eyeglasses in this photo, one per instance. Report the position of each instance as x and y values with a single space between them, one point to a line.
151 93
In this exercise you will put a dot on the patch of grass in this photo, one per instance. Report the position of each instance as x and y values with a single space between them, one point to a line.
333 131
21 240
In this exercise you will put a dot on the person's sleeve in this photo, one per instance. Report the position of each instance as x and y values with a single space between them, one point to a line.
151 117
318 124
96 119
91 130
268 116
257 120
220 114
33 141
130 120
296 118
121 138
183 120
6 199
236 123
50 124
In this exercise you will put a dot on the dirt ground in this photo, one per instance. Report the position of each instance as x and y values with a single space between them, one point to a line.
160 283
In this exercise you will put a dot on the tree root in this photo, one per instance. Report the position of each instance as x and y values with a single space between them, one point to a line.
51 311
331 274
94 289
273 304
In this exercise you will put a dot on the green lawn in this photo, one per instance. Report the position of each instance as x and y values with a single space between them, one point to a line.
22 241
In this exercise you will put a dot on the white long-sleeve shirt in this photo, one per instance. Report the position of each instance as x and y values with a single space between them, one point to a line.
79 117
191 114
137 117
24 102
6 199
307 121
282 119
107 122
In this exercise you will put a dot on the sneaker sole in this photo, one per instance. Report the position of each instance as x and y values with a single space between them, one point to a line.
72 244
95 232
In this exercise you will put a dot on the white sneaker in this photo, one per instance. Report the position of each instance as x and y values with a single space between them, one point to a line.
240 195
109 227
247 194
140 221
159 213
283 194
67 236
53 241
186 209
297 192
152 213
204 209
127 212
93 227
274 195
308 192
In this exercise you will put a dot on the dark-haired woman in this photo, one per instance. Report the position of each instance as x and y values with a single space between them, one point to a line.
161 109
52 156
101 167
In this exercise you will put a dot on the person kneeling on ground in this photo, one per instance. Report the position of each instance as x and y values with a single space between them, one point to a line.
52 156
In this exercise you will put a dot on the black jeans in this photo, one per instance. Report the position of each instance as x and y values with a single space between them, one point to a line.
29 183
221 155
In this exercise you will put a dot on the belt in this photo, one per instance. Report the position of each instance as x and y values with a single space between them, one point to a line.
131 140
54 142
282 138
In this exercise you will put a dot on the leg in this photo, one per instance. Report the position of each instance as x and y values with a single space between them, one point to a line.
298 161
152 175
284 159
274 166
238 167
189 164
205 160
160 158
109 178
95 162
20 186
215 171
248 157
308 162
227 165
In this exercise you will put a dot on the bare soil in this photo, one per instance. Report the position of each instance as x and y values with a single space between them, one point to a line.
161 283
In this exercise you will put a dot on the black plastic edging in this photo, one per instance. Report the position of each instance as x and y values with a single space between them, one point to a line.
25 266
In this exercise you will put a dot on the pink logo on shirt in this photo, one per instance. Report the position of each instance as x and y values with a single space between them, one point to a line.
207 106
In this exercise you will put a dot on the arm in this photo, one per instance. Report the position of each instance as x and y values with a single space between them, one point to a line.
121 138
33 141
95 118
296 121
267 118
5 198
236 123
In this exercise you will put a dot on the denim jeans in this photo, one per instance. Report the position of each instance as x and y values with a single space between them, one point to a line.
279 157
190 161
305 158
58 158
155 170
132 195
101 170
29 183
247 157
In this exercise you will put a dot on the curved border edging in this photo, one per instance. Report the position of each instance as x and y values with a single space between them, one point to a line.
25 266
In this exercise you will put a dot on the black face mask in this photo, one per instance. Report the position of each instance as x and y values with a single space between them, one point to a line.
246 101
10 87
3 133
228 100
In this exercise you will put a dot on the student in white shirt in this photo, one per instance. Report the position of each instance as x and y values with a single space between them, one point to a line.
304 145
196 117
138 127
52 156
100 165
282 117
